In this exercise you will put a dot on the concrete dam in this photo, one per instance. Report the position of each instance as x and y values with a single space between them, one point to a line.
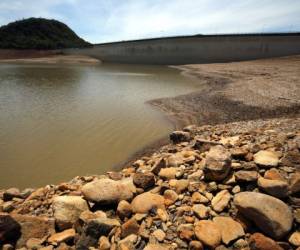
195 49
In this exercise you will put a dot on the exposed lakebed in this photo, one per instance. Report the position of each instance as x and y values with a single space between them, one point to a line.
60 121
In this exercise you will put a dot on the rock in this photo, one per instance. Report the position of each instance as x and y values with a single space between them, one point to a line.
174 160
156 247
147 201
158 165
297 215
124 209
11 193
144 180
180 136
195 245
199 198
241 244
87 215
258 241
33 227
239 153
294 239
162 214
62 236
295 183
233 140
34 243
186 231
170 197
221 200
7 247
48 248
8 206
168 173
217 163
159 235
291 159
128 243
93 230
201 211
10 229
270 214
236 189
107 191
208 233
104 243
116 176
266 158
181 185
273 174
229 228
246 176
196 176
67 210
130 227
275 188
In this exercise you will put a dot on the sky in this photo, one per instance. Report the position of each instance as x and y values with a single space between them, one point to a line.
99 21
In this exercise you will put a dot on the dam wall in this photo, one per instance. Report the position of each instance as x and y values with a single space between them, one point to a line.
196 49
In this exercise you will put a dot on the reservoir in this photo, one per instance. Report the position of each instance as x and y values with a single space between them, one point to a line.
60 121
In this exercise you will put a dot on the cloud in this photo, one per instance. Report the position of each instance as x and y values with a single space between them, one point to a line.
114 20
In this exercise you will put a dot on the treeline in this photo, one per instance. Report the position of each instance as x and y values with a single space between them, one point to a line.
39 33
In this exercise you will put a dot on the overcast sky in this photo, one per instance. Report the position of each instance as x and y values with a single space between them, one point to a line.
113 20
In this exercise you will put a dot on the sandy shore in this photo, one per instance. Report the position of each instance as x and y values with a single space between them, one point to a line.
237 91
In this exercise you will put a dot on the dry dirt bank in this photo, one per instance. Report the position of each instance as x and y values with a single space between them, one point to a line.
237 91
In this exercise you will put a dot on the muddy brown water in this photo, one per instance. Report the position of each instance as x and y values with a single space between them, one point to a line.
60 121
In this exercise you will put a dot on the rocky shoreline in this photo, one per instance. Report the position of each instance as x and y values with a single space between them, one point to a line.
230 186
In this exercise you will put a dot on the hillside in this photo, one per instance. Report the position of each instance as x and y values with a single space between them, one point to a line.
39 33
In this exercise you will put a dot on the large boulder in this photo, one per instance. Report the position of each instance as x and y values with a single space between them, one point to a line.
107 191
143 203
67 210
270 214
217 163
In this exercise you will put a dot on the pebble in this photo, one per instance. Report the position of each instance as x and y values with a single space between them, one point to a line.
221 200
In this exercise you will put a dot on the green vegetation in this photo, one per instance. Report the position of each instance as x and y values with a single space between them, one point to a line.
39 33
